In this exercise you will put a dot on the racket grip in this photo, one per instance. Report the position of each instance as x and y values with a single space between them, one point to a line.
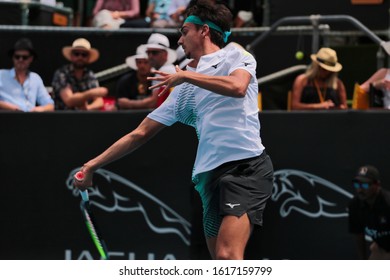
79 176
84 195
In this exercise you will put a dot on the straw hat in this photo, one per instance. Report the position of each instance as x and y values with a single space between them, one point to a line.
139 54
160 42
327 59
81 44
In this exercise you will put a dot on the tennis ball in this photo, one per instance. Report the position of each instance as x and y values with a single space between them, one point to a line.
299 55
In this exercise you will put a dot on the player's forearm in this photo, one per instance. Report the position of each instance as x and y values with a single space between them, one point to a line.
225 85
120 148
125 145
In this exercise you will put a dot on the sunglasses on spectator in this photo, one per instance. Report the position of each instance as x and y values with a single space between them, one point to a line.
82 54
22 57
359 185
154 52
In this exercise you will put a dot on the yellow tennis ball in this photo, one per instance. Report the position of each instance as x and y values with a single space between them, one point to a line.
299 55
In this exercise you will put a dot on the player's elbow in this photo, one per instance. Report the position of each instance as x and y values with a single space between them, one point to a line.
240 91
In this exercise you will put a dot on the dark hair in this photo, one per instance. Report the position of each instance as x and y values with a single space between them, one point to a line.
217 13
23 44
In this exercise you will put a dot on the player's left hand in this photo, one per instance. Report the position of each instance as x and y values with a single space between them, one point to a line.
168 80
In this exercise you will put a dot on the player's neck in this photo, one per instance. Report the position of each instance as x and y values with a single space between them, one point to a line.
210 48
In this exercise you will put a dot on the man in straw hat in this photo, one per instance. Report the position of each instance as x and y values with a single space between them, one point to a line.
218 97
74 85
21 89
320 88
133 88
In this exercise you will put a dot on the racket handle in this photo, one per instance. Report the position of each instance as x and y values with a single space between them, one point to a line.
79 176
84 195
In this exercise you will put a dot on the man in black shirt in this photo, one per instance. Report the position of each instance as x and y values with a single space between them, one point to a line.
133 87
369 214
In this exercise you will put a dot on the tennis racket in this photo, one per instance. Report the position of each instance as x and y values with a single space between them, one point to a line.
90 221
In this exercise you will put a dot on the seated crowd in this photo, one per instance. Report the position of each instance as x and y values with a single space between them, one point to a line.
75 86
114 14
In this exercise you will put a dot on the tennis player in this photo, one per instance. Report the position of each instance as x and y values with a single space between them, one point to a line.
217 95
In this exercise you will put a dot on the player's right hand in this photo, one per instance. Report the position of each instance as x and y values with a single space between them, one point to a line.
82 180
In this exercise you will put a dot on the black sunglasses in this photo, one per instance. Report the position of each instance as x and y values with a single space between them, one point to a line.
82 54
22 57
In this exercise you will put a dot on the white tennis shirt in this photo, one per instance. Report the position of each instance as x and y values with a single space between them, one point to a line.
228 128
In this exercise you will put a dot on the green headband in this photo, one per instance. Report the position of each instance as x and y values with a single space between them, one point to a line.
196 20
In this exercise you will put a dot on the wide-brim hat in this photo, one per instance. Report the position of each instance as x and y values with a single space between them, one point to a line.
23 44
327 59
159 41
84 45
139 54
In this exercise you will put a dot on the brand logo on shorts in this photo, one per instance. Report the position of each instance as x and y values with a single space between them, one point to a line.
232 205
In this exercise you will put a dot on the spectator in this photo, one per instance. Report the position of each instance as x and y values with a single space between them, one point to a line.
246 13
134 86
244 19
157 13
175 12
161 57
160 14
320 88
111 14
380 80
21 89
74 85
369 214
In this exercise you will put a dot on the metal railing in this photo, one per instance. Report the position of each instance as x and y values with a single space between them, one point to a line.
281 74
315 21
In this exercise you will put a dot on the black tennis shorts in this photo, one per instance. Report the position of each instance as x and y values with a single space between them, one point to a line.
236 188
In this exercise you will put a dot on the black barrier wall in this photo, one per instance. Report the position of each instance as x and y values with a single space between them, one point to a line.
145 202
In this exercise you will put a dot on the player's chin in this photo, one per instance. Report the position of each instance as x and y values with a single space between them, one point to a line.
188 54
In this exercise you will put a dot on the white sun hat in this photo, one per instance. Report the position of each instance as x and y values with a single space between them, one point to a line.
139 54
159 41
